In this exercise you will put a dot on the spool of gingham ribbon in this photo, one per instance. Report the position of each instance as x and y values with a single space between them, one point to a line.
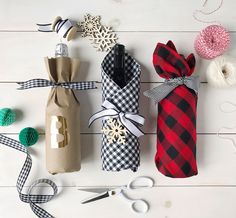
32 199
35 83
128 119
160 92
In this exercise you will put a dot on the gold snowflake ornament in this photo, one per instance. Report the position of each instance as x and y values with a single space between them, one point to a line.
89 25
115 131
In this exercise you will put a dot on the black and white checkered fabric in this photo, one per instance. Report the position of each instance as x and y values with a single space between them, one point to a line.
116 156
24 173
35 83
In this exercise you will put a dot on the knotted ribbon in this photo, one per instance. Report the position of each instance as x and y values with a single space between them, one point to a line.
129 120
35 83
30 198
160 92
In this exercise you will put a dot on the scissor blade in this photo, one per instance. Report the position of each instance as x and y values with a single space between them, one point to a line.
95 190
95 198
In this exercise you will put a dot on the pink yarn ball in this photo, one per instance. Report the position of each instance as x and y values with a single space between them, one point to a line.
212 41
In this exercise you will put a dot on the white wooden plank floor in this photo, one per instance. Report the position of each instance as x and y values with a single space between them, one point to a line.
140 25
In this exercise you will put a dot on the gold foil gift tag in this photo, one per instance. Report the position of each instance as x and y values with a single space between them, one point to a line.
58 132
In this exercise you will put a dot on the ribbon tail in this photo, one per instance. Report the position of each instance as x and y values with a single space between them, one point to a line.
193 83
21 84
101 114
45 27
160 92
133 129
34 83
80 85
135 118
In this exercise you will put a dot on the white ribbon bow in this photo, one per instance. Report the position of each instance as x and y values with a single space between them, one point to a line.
128 119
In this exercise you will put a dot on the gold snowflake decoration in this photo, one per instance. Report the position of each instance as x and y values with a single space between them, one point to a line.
115 131
89 25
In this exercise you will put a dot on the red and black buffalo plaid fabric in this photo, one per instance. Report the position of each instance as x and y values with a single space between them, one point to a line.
176 121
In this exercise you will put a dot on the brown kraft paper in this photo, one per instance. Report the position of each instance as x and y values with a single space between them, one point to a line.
63 153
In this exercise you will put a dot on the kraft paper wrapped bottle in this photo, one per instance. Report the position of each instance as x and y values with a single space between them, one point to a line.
62 112
62 115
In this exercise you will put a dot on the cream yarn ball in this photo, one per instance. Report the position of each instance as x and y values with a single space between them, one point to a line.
221 72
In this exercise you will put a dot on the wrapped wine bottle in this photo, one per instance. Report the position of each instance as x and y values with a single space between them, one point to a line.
62 115
120 96
62 128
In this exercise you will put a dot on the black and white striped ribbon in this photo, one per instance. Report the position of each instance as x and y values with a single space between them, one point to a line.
129 120
62 27
35 83
24 173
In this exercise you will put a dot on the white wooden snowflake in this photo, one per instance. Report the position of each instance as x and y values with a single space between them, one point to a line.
89 25
115 131
103 38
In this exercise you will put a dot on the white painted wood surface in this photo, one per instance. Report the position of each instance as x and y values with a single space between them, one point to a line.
140 25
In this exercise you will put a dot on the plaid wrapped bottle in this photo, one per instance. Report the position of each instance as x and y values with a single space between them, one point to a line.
176 121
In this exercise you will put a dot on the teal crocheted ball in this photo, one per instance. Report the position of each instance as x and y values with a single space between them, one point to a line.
28 136
7 117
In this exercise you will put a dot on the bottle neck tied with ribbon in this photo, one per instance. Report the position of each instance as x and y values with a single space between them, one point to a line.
36 83
160 92
177 103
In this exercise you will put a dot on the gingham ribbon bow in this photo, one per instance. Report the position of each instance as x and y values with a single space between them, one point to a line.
160 92
35 83
32 199
129 120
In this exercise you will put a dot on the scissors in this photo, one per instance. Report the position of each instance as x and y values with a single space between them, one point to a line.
137 205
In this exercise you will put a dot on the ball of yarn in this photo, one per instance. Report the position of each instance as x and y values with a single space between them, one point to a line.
212 42
28 136
7 117
221 72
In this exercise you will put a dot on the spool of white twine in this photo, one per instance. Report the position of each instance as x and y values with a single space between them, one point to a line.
221 72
